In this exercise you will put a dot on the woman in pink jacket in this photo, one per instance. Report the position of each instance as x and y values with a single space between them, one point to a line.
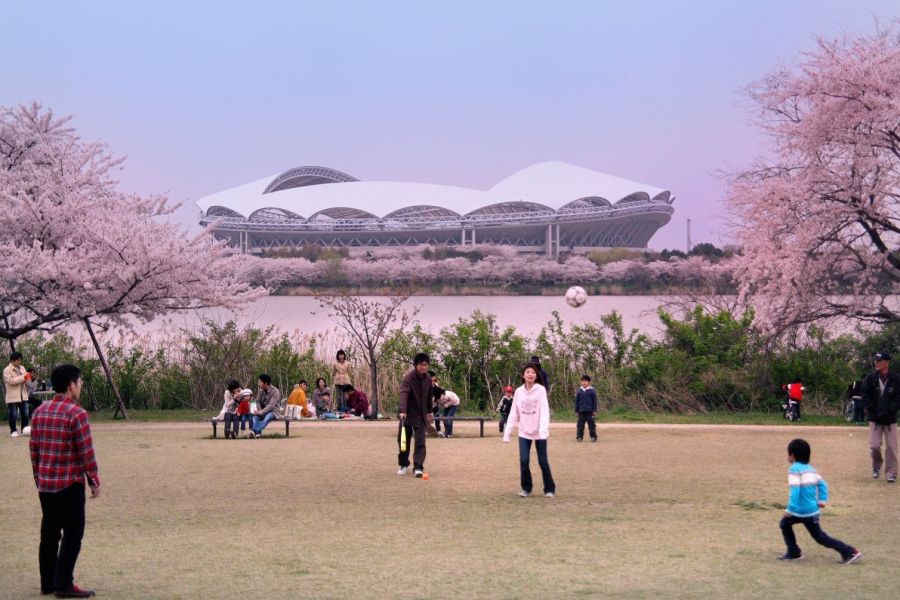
530 412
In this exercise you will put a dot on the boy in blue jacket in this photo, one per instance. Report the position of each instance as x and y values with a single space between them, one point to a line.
586 407
808 493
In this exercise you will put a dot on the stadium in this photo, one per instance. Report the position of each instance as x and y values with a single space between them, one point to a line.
549 208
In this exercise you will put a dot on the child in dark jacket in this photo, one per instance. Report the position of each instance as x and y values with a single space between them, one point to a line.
586 407
505 405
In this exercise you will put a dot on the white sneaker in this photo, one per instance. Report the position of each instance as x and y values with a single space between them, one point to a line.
523 494
402 470
419 472
549 495
14 434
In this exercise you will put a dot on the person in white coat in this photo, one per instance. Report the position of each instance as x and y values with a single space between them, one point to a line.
530 414
14 378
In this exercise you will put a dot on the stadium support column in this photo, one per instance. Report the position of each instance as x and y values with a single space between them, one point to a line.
462 236
551 241
473 235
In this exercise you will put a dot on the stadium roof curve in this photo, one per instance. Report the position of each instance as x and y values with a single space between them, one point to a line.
549 184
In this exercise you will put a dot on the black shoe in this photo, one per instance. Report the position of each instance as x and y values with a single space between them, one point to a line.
852 558
579 440
74 592
791 557
593 439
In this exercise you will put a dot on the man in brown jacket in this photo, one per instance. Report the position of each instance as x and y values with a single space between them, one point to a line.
415 413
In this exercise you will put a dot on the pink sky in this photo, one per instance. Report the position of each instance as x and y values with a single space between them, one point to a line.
203 96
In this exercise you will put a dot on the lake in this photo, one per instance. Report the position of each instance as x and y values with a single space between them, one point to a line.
527 314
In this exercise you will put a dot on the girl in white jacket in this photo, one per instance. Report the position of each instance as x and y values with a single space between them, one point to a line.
530 412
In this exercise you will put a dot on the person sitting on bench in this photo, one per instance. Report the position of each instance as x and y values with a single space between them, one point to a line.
268 405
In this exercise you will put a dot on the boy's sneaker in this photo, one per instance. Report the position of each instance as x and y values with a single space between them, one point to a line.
891 478
419 472
14 434
852 558
402 470
441 434
786 556
549 495
593 440
523 494
875 473
74 592
258 435
579 440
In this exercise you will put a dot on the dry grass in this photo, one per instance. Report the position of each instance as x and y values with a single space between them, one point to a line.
649 512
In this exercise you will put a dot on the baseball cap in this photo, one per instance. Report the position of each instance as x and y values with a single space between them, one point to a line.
508 388
246 392
882 356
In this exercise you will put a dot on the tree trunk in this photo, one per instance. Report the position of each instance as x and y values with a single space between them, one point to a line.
12 342
120 405
373 373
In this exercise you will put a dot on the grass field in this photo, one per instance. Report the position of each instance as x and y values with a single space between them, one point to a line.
651 511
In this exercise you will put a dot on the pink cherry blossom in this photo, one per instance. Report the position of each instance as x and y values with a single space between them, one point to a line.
75 247
818 219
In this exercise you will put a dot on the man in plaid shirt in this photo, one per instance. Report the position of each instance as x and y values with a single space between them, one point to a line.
62 457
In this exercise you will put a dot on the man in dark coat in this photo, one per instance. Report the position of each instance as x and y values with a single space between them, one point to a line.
881 396
545 379
415 414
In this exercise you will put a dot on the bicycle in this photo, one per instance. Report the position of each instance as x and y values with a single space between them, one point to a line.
791 410
850 409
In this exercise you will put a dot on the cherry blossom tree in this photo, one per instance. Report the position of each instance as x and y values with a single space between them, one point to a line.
75 249
818 218
369 324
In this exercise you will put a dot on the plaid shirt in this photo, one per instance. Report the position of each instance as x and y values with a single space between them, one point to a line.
62 451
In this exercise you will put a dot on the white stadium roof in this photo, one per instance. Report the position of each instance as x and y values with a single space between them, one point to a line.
550 184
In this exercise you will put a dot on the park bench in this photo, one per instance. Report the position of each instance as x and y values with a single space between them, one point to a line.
287 424
481 420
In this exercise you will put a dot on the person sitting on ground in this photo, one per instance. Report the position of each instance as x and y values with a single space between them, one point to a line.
504 406
230 408
449 404
321 397
243 410
268 405
297 404
357 402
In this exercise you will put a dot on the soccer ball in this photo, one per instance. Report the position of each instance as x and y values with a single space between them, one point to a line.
576 296
26 430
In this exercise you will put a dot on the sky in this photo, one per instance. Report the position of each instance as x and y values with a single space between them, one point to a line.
203 96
